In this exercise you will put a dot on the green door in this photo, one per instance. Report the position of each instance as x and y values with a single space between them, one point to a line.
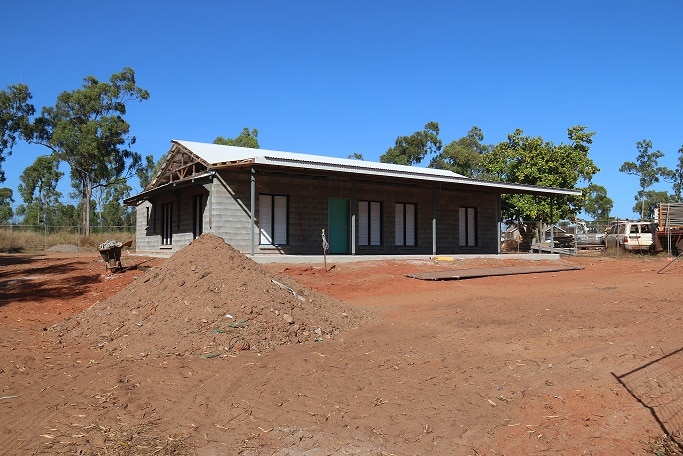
338 225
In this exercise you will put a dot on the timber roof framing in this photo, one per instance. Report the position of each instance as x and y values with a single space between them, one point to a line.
179 165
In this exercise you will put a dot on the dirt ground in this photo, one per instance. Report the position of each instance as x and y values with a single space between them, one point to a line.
207 353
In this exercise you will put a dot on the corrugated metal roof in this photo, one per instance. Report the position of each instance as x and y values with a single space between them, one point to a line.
217 154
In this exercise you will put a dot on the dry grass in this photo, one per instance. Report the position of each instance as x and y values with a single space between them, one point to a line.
17 240
141 441
666 445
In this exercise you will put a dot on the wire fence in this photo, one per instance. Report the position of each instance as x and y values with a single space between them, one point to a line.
658 385
28 238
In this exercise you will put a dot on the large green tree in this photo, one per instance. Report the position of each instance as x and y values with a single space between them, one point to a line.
647 169
533 161
648 200
15 119
87 130
411 150
108 208
148 169
6 200
597 204
66 215
246 138
38 188
677 178
464 155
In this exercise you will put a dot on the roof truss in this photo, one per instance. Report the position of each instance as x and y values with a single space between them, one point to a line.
180 164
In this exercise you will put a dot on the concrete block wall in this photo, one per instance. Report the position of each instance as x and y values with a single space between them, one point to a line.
146 240
308 206
449 203
308 212
230 212
227 213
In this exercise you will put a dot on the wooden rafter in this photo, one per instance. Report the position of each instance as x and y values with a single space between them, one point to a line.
180 164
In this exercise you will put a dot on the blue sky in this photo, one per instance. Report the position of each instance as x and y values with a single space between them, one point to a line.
337 78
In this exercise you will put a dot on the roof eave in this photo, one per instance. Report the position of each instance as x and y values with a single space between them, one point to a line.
414 174
147 194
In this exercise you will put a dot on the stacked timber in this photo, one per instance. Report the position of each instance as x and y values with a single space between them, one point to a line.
669 216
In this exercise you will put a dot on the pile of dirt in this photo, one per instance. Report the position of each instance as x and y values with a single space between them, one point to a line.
209 300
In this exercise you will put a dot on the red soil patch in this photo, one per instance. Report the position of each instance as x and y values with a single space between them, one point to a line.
575 362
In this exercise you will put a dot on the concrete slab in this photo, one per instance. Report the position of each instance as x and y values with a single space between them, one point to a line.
459 274
335 259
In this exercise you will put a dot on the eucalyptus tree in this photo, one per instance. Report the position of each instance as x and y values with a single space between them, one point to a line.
38 188
412 149
647 202
464 155
647 169
677 178
597 204
148 169
15 119
110 210
6 200
86 129
246 138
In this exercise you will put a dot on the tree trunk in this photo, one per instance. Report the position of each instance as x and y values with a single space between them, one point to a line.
85 215
526 235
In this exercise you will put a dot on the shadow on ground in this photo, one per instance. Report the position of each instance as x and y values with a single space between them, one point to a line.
658 386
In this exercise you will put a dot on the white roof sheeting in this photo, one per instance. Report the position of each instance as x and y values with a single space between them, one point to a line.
217 154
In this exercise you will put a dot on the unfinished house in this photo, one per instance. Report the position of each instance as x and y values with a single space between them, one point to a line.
272 202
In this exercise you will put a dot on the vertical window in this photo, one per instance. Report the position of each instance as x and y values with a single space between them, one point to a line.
468 227
167 224
405 224
197 216
369 223
273 219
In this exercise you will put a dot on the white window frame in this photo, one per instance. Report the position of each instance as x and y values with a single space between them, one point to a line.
468 227
197 216
167 223
273 219
406 224
370 223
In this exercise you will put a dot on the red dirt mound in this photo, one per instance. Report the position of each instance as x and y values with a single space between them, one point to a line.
209 300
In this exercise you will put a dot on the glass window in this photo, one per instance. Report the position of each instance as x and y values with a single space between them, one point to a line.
273 215
468 227
198 216
405 224
167 224
369 223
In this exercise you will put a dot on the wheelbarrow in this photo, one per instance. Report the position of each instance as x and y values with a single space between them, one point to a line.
111 254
